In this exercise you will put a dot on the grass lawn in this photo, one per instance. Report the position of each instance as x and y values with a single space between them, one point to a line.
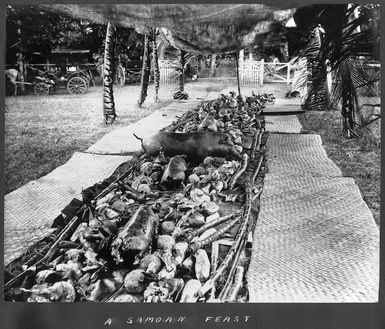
357 158
43 132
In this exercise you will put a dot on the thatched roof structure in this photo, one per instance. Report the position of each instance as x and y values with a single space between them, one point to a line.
213 28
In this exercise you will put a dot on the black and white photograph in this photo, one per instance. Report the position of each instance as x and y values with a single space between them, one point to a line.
191 153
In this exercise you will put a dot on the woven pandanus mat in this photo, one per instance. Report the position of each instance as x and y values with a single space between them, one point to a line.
315 241
299 154
122 140
283 124
315 238
30 210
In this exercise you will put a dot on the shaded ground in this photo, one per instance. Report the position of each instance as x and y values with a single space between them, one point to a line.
357 158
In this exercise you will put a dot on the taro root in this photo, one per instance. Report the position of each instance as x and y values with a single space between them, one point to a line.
193 178
150 264
156 176
155 294
179 252
165 242
119 205
208 160
239 148
134 282
146 168
175 170
70 269
135 237
144 188
199 171
208 124
190 291
62 291
202 265
218 185
167 227
209 208
78 232
47 276
198 196
110 214
74 254
127 298
40 294
196 219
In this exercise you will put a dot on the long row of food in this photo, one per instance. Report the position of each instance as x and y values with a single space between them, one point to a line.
174 227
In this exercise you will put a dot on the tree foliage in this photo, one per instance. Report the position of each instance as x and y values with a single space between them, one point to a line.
42 31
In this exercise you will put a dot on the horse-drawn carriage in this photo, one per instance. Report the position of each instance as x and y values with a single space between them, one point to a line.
68 70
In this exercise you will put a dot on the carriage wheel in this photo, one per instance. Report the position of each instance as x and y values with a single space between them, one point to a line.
41 89
120 76
77 85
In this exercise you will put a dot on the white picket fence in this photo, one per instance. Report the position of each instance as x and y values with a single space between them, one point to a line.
166 71
251 72
257 72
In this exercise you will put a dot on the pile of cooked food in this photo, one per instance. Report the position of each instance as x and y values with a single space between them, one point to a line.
174 227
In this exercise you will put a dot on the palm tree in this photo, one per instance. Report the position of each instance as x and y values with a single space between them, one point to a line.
108 76
182 59
344 45
212 65
145 70
348 57
155 33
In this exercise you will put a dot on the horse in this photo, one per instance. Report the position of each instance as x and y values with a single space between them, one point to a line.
12 75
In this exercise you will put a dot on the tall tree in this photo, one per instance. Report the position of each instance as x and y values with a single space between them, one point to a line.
212 65
155 33
145 79
108 76
182 59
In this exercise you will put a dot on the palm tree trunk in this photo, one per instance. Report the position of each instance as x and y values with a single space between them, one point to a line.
20 59
108 76
156 65
238 79
318 97
212 65
181 73
145 71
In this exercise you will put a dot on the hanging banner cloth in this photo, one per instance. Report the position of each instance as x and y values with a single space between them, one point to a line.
202 28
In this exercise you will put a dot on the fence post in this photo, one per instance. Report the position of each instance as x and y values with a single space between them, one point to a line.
241 69
262 71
